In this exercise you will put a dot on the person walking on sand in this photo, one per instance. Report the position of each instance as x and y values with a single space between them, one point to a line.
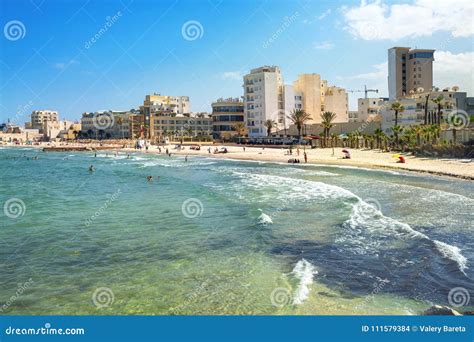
305 157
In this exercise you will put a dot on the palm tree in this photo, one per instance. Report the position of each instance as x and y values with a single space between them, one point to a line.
239 128
418 130
378 136
439 100
269 124
326 121
398 108
299 117
396 131
426 108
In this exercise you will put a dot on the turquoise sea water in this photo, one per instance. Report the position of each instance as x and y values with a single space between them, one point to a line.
214 236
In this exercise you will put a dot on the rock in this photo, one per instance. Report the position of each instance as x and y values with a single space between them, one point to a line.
438 310
468 313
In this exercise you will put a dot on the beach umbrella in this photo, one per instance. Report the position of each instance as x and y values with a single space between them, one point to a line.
346 151
396 156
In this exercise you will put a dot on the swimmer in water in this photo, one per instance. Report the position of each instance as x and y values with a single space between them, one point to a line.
91 168
149 178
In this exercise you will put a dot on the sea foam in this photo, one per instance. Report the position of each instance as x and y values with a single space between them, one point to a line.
304 272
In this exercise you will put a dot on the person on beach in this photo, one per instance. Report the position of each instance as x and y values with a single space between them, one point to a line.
167 151
209 149
128 156
91 168
305 157
244 148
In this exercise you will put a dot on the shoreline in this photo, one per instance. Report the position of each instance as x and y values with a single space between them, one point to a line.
368 159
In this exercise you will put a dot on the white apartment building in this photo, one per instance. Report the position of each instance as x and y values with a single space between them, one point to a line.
263 100
409 70
40 117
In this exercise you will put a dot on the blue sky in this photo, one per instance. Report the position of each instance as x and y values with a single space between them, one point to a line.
52 64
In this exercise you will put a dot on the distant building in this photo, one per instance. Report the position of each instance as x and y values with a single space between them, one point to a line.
109 124
263 100
168 124
369 109
409 70
157 103
225 114
353 116
40 117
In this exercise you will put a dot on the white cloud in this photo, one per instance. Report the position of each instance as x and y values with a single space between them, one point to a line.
324 14
378 21
232 75
454 69
379 72
323 46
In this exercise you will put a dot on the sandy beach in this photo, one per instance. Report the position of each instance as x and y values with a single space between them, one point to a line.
374 159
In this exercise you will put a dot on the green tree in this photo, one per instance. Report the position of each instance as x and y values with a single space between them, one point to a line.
299 117
269 124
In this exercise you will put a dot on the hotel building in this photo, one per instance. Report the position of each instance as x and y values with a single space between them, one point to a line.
225 114
409 70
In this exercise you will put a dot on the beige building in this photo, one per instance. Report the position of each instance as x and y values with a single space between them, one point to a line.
180 125
368 109
109 124
225 114
40 117
157 103
317 97
409 70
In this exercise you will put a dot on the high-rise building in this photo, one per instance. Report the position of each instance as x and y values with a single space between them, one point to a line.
263 99
409 70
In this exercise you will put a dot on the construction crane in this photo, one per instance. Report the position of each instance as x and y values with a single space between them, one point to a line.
364 91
